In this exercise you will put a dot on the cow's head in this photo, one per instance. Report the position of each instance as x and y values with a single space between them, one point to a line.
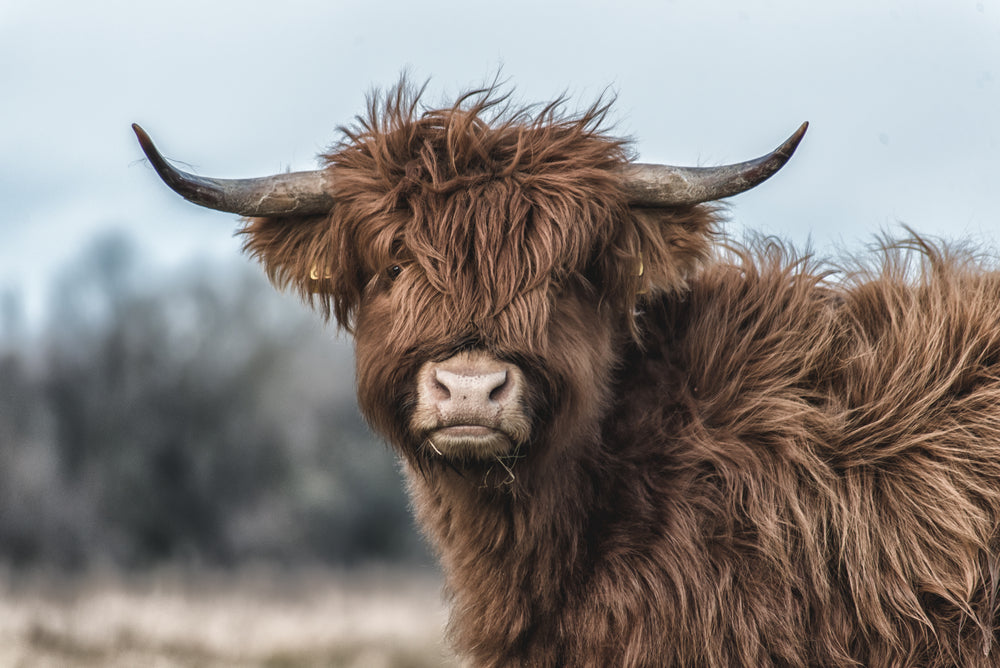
490 263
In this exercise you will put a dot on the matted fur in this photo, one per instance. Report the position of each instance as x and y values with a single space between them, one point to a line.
493 204
761 460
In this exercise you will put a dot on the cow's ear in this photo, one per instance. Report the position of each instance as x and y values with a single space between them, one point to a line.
673 244
310 255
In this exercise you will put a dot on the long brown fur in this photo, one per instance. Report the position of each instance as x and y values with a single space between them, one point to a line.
740 457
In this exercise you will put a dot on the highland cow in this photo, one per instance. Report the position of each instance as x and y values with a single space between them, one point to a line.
631 442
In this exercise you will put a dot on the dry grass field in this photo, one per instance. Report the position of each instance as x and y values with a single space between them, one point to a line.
368 619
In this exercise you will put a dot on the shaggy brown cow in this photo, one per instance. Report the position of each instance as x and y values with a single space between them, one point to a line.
631 449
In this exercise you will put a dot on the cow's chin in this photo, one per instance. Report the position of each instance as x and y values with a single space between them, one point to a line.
468 442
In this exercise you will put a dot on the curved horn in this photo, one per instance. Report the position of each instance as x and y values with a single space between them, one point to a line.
662 185
294 193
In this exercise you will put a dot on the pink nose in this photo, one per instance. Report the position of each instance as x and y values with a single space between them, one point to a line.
470 388
475 389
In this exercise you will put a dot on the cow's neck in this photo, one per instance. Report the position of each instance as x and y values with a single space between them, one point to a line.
509 552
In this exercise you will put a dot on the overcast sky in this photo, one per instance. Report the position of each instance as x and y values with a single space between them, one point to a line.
902 96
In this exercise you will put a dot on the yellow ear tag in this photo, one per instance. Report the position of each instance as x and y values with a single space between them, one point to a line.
642 270
314 274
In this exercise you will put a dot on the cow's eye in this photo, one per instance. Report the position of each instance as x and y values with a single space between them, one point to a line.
393 271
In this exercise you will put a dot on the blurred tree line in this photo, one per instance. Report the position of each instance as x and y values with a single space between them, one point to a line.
197 417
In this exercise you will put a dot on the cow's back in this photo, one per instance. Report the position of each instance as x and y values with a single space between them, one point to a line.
834 445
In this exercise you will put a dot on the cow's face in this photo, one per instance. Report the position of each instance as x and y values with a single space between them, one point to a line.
482 342
440 384
484 315
490 277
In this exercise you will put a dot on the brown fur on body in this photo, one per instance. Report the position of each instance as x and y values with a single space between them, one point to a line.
737 459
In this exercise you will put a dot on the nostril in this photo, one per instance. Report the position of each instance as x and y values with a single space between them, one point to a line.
439 390
501 390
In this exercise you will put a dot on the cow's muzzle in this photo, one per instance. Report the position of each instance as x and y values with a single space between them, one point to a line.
471 406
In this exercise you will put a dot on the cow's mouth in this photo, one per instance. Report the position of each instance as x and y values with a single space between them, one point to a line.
468 441
465 431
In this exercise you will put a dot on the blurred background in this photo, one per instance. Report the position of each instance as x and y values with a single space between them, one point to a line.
184 475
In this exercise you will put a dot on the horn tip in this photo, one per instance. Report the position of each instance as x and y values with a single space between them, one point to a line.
797 136
787 148
145 142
